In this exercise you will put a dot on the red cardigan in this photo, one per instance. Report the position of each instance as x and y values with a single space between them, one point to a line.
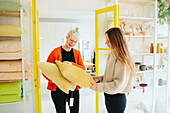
56 55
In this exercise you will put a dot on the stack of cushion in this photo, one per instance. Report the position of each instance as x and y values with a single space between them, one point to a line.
10 50
10 63
10 92
66 76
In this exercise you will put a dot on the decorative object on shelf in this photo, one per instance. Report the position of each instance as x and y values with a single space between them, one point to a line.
160 82
127 28
162 48
164 60
151 29
136 29
128 33
158 48
143 28
163 12
143 67
143 85
151 48
166 50
137 65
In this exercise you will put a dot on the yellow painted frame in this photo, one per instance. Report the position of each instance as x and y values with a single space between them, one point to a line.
36 57
114 8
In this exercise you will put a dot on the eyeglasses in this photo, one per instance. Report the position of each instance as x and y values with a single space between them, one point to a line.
73 41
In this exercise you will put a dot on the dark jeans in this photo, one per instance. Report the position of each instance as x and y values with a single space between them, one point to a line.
115 103
59 98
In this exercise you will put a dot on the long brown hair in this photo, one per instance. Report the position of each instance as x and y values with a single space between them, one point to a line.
120 49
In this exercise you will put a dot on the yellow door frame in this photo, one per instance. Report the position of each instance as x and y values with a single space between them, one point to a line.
36 57
115 9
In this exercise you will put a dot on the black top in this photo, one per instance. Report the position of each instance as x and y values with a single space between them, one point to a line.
67 55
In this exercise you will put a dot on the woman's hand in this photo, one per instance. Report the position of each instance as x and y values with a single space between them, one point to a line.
67 62
94 86
96 78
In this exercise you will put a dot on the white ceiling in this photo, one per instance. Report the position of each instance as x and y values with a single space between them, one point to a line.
67 8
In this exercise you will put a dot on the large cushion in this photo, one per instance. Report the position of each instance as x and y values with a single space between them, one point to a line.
14 76
75 74
52 72
11 56
10 46
10 30
13 66
9 6
10 88
10 98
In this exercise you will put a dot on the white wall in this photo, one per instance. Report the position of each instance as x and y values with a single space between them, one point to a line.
67 15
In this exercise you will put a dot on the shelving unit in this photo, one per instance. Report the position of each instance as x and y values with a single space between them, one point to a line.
20 15
154 37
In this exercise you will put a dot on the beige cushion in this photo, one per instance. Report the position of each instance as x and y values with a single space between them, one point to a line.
14 76
75 74
11 56
52 72
13 66
10 46
10 30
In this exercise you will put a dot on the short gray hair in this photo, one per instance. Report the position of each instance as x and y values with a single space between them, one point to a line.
74 33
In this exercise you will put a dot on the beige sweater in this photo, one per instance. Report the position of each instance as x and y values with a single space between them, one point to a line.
116 79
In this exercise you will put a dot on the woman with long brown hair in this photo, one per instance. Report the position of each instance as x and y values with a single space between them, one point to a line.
119 73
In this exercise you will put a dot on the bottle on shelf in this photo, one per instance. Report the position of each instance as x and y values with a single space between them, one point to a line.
151 48
162 48
158 47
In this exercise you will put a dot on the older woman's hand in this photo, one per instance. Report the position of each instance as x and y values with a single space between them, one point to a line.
67 62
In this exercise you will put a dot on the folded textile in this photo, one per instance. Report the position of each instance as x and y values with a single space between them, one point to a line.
52 72
14 76
13 66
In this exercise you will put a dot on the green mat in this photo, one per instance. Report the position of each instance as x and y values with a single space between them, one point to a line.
10 88
10 98
9 6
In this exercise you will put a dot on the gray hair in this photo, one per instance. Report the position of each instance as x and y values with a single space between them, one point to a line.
74 33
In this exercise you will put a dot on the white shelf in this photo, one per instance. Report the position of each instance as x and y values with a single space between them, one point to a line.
150 71
141 2
147 37
131 18
136 18
148 54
